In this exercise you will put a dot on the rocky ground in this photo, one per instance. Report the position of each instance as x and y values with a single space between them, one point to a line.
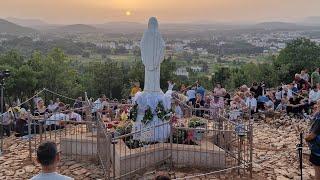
15 163
275 156
275 153
275 148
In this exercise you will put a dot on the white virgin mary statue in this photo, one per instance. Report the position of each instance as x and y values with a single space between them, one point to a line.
152 53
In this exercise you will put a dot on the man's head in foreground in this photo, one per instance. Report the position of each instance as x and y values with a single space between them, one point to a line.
48 155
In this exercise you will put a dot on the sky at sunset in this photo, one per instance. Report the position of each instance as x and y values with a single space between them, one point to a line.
99 11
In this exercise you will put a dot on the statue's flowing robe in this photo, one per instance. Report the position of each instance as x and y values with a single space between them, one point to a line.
152 53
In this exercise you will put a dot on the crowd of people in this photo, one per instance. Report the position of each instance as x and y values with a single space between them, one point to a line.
295 98
15 119
300 98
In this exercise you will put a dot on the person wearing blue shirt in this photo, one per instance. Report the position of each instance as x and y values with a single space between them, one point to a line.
200 90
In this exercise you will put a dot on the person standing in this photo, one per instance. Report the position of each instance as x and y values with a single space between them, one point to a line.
304 75
78 106
99 104
313 139
191 93
136 88
6 120
315 77
200 90
171 85
219 91
251 102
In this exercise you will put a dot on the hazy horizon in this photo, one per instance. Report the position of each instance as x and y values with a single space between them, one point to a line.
177 11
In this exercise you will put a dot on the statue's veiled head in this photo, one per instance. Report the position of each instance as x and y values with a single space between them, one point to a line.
153 23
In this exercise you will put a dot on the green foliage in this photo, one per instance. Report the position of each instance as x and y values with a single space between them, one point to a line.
134 113
54 70
166 73
148 116
299 54
124 129
195 122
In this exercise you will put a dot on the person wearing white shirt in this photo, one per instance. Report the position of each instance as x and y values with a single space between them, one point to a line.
170 85
52 106
177 110
314 95
99 104
304 75
288 92
72 116
252 103
49 157
55 121
191 93
57 102
278 94
282 107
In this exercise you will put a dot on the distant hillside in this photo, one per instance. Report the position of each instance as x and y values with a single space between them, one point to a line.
122 27
11 28
314 20
27 22
278 25
76 28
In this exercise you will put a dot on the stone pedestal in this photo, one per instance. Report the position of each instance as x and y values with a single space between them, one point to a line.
80 147
205 155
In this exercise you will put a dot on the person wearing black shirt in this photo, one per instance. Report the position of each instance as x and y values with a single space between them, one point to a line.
77 105
21 125
41 109
301 82
256 89
313 139
296 105
199 103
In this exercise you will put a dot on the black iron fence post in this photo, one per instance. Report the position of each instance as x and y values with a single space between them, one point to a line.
299 149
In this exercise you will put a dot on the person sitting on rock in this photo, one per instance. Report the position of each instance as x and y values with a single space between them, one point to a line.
282 107
314 95
48 156
269 105
297 105
57 119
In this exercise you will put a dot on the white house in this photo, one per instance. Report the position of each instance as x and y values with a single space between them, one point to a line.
182 71
196 69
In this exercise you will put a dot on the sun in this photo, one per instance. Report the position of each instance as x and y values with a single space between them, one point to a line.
128 13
